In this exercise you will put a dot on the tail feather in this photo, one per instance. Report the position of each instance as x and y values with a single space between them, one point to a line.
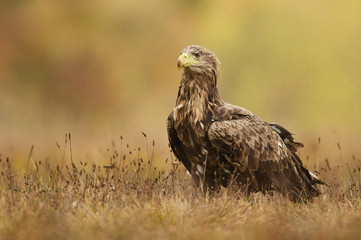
316 179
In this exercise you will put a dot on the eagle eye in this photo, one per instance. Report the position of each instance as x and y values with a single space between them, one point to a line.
197 54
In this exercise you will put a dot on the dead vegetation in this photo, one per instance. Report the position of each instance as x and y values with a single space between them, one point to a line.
135 196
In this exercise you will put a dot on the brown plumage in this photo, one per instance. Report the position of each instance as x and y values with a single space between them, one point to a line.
222 144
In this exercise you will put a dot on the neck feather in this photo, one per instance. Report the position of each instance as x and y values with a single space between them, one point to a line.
198 86
197 97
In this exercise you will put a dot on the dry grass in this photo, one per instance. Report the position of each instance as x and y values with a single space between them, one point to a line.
131 197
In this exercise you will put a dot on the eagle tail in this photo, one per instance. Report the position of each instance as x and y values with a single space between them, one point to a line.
315 179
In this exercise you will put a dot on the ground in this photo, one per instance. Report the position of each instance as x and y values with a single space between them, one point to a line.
137 196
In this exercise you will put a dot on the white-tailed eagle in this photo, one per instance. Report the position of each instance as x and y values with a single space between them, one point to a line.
222 144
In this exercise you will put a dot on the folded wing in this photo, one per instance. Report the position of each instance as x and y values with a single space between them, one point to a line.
256 150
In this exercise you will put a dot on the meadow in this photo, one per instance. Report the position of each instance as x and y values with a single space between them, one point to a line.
136 196
105 69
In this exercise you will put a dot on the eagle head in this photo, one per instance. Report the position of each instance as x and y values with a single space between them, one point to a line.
197 59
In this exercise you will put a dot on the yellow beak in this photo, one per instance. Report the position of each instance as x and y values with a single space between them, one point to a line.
186 60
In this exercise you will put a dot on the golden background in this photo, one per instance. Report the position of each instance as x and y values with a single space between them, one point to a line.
105 69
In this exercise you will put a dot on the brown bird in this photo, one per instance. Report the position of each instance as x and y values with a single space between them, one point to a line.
221 144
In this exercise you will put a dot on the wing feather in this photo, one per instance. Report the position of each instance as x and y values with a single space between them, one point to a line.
253 146
176 144
249 141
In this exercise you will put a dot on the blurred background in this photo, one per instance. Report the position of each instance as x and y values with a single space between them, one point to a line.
105 69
